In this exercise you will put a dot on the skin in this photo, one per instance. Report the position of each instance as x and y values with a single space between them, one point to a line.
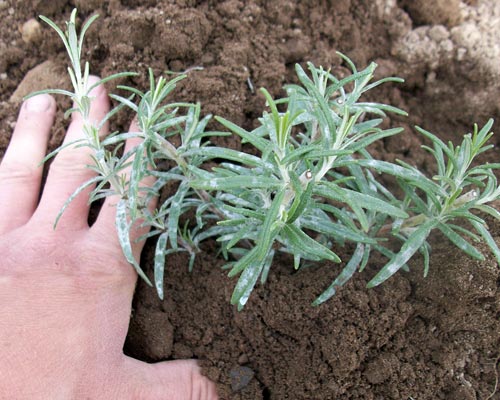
66 294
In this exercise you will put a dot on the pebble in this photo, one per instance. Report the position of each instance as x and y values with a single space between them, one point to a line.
31 31
243 359
461 52
240 377
438 33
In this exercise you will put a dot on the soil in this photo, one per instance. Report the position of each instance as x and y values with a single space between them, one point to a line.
411 338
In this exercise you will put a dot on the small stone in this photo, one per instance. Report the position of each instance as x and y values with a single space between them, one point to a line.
461 52
240 377
443 12
446 46
243 359
31 31
438 33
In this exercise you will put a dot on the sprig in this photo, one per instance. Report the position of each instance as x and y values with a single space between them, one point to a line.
109 162
106 163
158 123
460 188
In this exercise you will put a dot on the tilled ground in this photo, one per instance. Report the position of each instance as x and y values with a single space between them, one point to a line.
412 338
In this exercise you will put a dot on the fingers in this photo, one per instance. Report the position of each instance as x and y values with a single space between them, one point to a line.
20 172
105 223
180 380
69 169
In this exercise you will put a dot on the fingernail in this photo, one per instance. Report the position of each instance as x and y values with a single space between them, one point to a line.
39 103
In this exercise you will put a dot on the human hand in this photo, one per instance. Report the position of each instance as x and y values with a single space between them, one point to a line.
65 294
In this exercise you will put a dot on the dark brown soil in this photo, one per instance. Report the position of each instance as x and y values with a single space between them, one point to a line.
411 338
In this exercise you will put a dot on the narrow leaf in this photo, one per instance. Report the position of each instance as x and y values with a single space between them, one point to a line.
257 142
413 243
234 238
268 232
483 231
267 266
76 193
228 154
123 229
244 262
344 276
159 266
308 246
300 203
49 91
489 210
416 178
245 285
365 201
175 212
235 182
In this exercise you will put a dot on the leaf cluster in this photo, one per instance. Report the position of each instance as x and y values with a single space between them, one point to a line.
305 184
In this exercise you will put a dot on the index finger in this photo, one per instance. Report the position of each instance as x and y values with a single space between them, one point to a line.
20 169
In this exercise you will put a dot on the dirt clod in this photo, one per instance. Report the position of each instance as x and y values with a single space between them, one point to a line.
47 75
31 31
425 12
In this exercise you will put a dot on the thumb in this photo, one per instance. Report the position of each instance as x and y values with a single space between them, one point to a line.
176 380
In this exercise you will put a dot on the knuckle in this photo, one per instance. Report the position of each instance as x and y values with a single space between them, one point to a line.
201 387
68 268
72 161
21 256
100 269
13 172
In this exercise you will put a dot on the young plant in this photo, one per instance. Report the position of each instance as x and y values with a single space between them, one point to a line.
286 198
311 187
156 122
449 198
106 161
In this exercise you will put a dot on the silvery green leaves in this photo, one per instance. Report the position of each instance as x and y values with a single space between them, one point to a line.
447 202
304 184
106 159
157 122
291 197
